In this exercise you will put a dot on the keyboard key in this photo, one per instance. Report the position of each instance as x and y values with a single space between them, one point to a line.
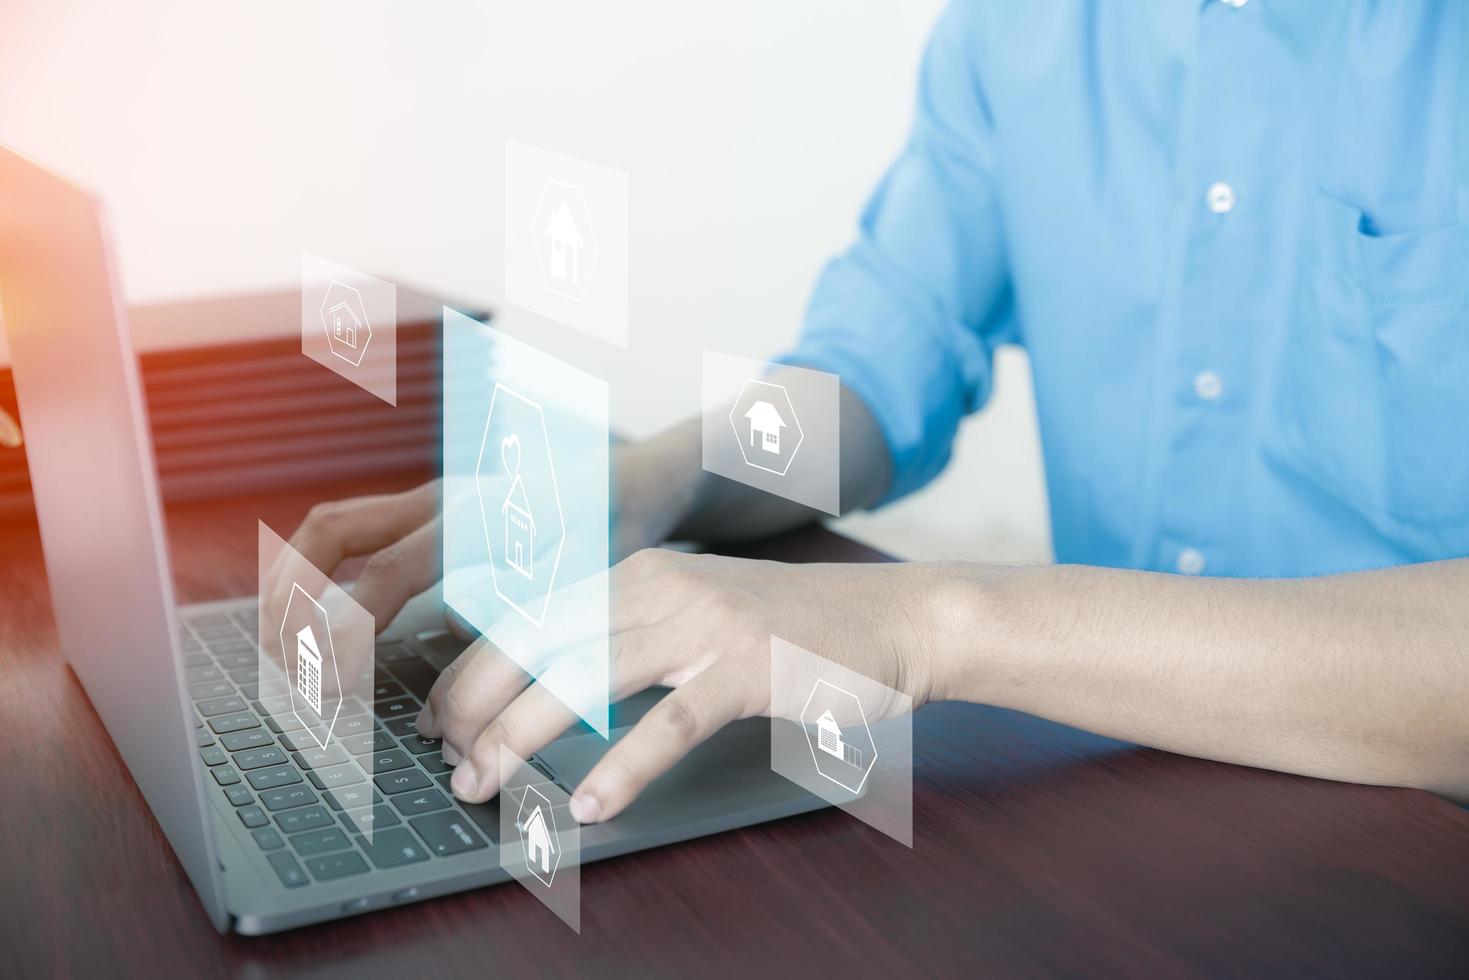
253 738
419 745
210 689
402 727
236 661
412 804
318 758
252 816
271 755
447 832
238 795
335 777
213 755
246 675
444 782
397 708
387 689
263 779
287 870
276 704
360 725
299 741
486 817
366 819
306 818
367 743
280 724
200 675
320 842
331 866
267 839
350 707
388 761
417 676
352 797
434 763
253 690
202 736
287 796
195 658
392 848
221 706
392 653
225 724
225 775
402 781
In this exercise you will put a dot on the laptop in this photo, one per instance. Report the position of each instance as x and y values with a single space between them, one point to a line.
265 841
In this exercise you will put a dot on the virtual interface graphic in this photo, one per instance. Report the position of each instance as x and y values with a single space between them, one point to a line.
526 509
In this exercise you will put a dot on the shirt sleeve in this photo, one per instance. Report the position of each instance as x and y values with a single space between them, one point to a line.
908 316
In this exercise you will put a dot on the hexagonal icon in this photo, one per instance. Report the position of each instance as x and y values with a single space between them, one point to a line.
520 503
566 242
761 413
310 665
536 821
844 756
344 317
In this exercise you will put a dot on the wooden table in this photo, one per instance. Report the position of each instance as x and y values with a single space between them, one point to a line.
1038 850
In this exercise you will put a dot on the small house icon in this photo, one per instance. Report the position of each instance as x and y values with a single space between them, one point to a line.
566 245
538 847
765 426
520 525
345 324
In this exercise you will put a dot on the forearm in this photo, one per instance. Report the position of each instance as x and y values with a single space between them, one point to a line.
1361 677
700 506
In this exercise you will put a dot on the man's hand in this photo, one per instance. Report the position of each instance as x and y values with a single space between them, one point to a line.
700 624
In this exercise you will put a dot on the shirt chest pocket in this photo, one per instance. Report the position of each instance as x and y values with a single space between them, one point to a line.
1374 383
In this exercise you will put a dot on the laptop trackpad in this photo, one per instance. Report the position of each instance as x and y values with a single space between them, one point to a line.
724 783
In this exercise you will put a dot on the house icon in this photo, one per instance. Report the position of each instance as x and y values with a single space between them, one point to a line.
520 525
829 740
828 734
765 426
566 245
538 847
345 324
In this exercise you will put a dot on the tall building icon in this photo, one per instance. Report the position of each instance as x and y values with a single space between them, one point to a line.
308 668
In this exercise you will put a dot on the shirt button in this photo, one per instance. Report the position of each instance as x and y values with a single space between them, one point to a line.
1208 385
1191 561
1221 197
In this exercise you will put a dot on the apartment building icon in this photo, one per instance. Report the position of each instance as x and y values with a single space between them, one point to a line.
308 668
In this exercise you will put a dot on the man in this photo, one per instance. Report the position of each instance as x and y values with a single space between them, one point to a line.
1234 238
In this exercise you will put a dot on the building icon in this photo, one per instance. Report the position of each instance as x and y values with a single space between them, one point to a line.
765 426
566 245
829 740
520 524
344 323
308 668
538 846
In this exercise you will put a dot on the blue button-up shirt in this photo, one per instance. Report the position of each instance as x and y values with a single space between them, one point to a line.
1234 240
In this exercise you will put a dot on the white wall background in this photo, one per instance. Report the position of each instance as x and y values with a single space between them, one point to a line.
227 139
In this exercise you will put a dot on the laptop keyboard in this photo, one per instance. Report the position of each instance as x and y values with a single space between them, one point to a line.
307 807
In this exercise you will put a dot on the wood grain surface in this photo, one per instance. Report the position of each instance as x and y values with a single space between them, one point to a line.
1039 850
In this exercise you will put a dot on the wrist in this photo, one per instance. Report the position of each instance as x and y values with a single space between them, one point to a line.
972 619
654 485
